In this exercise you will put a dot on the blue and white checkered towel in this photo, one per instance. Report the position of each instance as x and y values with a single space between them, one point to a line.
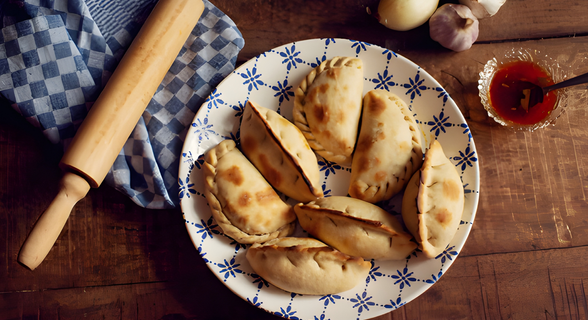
56 56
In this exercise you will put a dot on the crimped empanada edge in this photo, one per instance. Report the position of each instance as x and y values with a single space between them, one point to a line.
324 256
371 224
209 172
363 190
340 256
315 191
299 116
429 162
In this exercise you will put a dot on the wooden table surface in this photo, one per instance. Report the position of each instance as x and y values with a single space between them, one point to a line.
526 256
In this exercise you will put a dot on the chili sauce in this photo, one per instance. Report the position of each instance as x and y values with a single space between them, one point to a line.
506 92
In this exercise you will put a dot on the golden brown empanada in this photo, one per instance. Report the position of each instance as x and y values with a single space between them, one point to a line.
280 152
388 149
306 266
433 202
243 203
355 227
327 107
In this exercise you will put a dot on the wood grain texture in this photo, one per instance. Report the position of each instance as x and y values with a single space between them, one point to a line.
155 300
545 284
268 24
524 259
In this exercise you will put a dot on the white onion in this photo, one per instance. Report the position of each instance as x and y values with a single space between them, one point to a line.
402 15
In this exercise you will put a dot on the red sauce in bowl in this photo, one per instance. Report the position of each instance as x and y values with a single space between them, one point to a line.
505 92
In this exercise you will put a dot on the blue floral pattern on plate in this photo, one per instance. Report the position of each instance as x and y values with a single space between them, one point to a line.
270 79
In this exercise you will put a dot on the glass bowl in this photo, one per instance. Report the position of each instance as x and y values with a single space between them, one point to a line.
551 66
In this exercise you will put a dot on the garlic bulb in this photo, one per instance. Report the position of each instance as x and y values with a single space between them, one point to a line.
402 15
454 26
483 8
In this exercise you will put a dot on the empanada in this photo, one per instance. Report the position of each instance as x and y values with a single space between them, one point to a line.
433 202
280 152
306 266
355 227
327 107
388 149
243 203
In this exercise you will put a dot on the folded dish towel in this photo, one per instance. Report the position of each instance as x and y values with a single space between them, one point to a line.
56 56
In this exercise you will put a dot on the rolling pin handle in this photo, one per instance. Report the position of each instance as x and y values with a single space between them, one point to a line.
72 188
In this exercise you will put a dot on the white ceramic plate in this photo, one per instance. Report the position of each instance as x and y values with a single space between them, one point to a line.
270 79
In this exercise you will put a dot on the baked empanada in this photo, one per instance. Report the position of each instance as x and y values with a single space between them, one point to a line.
243 203
306 266
280 152
388 150
327 107
355 227
433 202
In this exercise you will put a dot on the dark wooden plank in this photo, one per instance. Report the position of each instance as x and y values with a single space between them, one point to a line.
194 299
268 24
107 240
520 19
546 284
525 257
540 284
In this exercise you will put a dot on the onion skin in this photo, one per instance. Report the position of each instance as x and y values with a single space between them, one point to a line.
454 26
403 15
483 8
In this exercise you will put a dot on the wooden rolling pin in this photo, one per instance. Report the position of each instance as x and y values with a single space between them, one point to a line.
113 116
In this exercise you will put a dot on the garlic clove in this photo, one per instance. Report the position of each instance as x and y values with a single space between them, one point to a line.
454 26
483 8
